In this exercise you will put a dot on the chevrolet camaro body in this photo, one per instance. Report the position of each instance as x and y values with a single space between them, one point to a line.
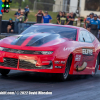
47 47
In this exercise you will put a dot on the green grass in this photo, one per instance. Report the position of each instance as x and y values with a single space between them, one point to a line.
31 16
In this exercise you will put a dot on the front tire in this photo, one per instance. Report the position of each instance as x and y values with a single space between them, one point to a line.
4 72
64 76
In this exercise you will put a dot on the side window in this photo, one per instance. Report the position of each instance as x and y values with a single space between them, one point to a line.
92 37
69 34
81 38
85 37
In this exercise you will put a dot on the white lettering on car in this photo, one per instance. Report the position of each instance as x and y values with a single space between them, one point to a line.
87 51
78 58
67 49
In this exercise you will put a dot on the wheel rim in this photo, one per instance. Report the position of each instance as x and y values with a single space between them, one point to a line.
66 73
96 63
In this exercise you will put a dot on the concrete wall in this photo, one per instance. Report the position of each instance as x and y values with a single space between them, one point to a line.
58 6
84 12
73 5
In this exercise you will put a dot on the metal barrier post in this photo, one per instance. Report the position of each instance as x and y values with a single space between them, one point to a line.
0 15
0 22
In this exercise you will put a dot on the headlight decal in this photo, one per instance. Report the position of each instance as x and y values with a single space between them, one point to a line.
26 51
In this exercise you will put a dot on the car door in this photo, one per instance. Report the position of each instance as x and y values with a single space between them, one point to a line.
87 49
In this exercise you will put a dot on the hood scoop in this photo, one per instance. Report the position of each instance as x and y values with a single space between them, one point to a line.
40 40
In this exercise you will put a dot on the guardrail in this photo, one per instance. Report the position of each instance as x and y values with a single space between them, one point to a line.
5 22
4 28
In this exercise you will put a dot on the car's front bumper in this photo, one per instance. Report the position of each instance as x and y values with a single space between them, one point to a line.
28 62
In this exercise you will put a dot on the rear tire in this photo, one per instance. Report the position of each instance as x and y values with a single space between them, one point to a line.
97 65
64 76
4 72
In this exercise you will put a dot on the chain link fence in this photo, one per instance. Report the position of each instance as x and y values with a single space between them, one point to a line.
51 8
48 7
54 7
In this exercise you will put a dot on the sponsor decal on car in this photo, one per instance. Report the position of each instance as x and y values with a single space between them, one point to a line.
59 62
88 58
58 66
67 49
87 52
78 58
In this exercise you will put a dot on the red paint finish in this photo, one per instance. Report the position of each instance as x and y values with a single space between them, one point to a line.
61 48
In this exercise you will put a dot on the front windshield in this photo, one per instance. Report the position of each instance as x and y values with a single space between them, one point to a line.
66 32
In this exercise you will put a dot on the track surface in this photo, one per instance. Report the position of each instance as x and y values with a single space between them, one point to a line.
75 88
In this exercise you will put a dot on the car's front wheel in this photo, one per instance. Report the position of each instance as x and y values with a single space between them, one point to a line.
64 76
4 72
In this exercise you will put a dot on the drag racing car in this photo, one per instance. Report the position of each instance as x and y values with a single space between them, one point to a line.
49 48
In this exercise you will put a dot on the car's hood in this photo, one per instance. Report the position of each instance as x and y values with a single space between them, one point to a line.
33 40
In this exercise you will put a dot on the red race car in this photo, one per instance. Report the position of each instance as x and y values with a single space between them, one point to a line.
51 48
